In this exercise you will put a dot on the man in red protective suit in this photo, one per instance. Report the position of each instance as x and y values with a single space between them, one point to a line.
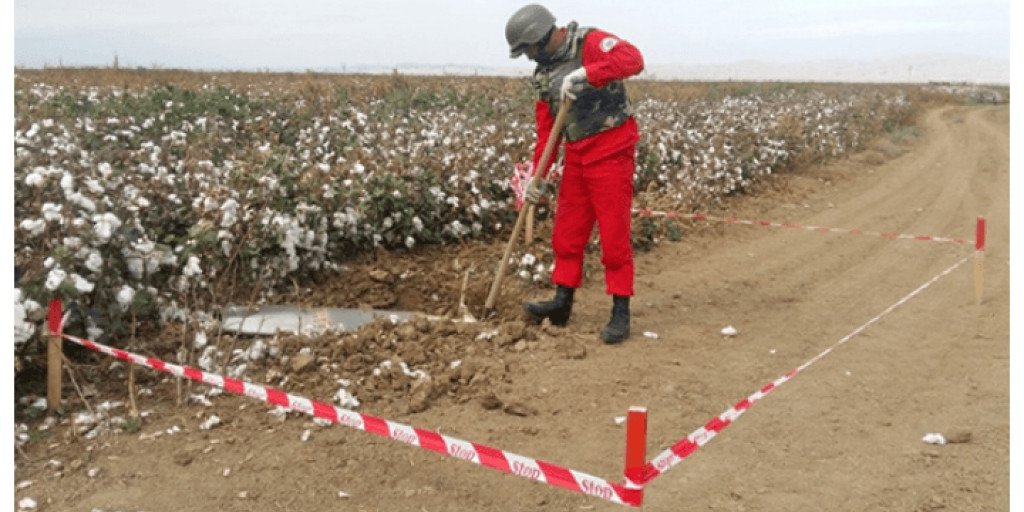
600 136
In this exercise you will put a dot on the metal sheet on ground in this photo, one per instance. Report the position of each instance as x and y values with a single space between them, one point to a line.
292 319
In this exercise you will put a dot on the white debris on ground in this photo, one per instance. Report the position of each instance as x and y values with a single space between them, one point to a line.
729 331
620 420
201 399
934 438
650 334
487 335
210 422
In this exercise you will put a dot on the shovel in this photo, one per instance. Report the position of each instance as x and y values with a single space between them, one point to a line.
527 210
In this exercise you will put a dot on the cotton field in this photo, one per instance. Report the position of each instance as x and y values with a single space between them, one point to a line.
160 199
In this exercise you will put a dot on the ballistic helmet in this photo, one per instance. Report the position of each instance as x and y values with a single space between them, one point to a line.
527 26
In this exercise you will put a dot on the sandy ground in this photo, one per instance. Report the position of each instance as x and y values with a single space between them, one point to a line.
845 434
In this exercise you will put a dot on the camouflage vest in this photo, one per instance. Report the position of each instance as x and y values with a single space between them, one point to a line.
595 109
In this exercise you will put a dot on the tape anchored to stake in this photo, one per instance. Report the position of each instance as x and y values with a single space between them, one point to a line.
506 462
820 229
685 447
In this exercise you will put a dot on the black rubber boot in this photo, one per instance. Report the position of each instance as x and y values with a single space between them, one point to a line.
618 327
557 309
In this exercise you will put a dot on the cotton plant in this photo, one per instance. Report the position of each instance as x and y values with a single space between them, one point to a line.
146 200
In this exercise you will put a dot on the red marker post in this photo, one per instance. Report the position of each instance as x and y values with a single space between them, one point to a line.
54 353
636 450
979 259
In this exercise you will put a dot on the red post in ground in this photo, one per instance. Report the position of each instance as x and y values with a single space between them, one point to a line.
636 448
54 352
979 260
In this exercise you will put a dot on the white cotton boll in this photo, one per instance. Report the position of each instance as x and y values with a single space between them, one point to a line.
417 224
209 204
94 186
257 351
200 340
410 242
52 212
230 213
34 227
82 284
104 169
125 296
34 179
208 360
135 267
192 268
528 259
104 225
55 278
67 182
84 202
23 330
94 262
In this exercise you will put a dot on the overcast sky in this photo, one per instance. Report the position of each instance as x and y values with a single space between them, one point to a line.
322 34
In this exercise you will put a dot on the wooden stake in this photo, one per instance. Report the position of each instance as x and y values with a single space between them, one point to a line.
133 408
54 352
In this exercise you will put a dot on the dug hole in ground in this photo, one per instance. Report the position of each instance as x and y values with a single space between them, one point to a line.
845 434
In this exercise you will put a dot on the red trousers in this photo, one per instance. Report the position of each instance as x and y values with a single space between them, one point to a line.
601 192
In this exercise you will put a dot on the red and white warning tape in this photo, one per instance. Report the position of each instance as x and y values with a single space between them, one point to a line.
820 229
698 438
507 462
637 474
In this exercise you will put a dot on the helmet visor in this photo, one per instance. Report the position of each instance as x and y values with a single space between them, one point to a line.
518 50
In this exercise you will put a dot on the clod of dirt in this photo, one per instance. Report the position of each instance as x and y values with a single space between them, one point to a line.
301 362
419 400
571 349
381 276
184 457
490 402
933 503
520 409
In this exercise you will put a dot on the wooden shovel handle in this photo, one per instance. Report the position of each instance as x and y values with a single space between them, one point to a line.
545 158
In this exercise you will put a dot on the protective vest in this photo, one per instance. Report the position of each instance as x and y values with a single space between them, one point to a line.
595 109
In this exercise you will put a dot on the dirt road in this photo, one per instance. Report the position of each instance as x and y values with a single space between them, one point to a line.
845 434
